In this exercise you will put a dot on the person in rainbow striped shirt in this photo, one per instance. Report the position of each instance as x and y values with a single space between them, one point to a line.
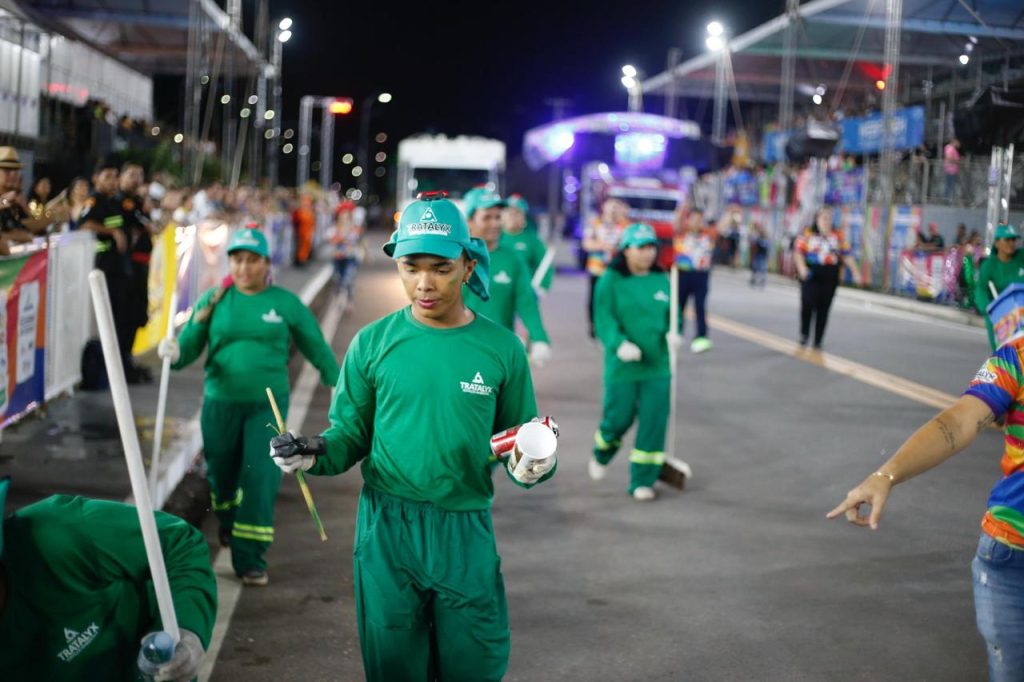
995 393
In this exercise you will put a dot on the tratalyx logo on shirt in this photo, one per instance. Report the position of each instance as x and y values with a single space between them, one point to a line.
477 386
77 641
272 317
661 296
502 278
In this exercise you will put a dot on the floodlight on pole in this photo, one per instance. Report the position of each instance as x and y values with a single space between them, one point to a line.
629 71
285 24
384 97
715 28
629 82
284 36
964 59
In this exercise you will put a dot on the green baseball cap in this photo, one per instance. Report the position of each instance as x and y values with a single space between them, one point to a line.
249 239
638 234
5 483
435 226
1006 232
480 198
517 201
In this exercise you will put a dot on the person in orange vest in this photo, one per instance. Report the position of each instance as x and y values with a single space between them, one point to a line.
304 221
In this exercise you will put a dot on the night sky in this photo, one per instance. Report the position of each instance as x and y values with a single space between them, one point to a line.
486 68
478 68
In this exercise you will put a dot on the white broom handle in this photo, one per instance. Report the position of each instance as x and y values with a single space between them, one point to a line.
161 403
132 451
542 269
673 325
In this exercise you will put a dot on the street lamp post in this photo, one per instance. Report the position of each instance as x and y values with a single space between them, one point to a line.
718 43
631 81
364 137
282 32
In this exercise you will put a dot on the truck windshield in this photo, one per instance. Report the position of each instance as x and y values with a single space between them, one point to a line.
456 181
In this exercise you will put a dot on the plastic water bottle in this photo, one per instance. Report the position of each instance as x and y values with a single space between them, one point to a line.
157 649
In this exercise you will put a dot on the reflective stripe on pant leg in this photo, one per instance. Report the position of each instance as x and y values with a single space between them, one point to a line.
619 410
222 423
260 479
652 421
644 468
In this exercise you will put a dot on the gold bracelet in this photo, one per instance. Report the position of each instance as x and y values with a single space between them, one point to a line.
885 474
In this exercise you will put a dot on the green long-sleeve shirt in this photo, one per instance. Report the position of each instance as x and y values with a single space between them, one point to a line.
248 338
1000 274
511 295
531 249
79 591
418 405
633 308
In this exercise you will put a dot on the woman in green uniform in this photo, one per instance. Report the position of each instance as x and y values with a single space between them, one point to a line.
631 318
517 235
76 595
246 329
511 293
421 392
1003 267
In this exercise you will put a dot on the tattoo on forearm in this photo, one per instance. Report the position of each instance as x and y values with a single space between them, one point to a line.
947 433
990 419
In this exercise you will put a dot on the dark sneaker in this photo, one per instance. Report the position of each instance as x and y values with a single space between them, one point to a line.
255 577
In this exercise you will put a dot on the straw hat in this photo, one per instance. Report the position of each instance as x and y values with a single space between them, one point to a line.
9 158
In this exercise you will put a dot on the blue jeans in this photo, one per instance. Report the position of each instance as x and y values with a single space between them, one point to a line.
695 283
998 572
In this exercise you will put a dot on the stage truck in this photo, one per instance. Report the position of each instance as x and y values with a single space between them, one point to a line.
428 163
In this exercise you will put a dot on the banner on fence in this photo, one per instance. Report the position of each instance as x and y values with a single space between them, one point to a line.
163 273
22 334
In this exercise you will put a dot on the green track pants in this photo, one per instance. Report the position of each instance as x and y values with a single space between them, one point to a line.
430 599
647 402
243 478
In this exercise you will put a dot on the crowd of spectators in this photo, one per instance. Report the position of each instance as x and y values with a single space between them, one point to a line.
126 210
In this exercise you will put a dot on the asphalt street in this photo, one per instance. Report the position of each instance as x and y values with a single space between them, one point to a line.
740 577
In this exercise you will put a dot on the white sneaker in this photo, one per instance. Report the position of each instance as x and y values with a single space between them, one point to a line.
596 469
644 494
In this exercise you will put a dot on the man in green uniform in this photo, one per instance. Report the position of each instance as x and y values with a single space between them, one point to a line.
526 242
631 318
1003 267
246 329
511 293
76 595
421 391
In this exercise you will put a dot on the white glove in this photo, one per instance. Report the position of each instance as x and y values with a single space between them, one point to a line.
168 349
629 352
674 340
188 655
536 470
540 353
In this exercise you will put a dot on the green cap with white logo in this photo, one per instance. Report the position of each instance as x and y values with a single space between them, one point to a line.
480 198
434 226
249 239
638 234
1006 232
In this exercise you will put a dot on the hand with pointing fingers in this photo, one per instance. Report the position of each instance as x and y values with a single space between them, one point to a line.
874 492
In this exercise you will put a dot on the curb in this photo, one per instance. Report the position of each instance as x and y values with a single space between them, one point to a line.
872 298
